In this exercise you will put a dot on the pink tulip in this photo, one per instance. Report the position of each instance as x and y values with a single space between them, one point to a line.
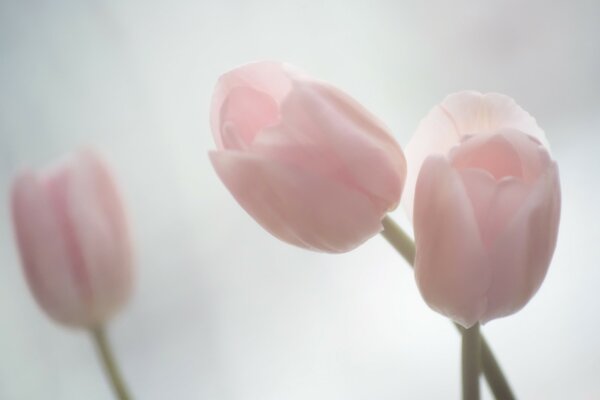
486 207
73 240
306 161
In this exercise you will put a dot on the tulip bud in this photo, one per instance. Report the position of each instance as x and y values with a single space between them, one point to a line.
306 161
72 236
486 207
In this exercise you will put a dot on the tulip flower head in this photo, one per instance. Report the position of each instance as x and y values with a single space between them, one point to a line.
486 207
306 161
73 239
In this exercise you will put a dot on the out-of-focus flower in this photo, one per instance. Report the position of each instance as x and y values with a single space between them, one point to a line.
486 207
73 239
306 161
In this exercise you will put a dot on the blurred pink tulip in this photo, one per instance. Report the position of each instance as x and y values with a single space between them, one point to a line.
73 240
486 207
306 161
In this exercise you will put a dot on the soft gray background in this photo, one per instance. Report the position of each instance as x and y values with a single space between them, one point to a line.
221 309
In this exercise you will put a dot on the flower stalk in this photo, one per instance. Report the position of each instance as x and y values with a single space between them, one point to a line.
109 363
490 367
471 356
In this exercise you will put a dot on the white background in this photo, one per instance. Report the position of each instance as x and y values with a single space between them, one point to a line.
221 309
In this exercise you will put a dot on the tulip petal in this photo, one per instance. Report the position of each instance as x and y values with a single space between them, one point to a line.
435 134
534 157
100 227
276 195
244 114
268 78
494 202
459 115
316 118
475 113
450 266
44 251
522 254
491 153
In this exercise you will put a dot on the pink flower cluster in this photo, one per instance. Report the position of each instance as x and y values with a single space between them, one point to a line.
319 171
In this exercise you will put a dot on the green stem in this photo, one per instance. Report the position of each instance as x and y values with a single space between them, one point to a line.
471 355
491 369
109 363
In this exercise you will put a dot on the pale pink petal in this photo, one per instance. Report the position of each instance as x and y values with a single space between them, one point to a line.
534 157
351 144
480 187
271 79
450 266
459 115
46 260
475 113
244 113
363 118
100 228
289 145
435 134
295 205
495 203
491 153
522 254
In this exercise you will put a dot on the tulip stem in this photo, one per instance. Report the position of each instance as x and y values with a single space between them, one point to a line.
110 365
471 356
491 369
